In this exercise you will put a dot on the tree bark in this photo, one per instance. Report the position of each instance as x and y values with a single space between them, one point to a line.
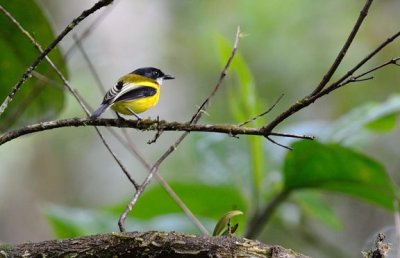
148 244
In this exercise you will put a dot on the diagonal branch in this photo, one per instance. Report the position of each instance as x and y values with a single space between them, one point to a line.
44 53
343 51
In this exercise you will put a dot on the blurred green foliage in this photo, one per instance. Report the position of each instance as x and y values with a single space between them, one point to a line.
37 100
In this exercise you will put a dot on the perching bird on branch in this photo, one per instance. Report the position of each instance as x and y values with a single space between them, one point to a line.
134 93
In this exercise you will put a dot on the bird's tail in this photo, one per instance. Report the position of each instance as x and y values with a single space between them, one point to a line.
99 111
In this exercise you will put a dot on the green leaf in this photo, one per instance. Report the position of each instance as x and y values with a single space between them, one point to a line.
37 100
73 222
383 124
224 220
203 200
314 206
335 168
373 116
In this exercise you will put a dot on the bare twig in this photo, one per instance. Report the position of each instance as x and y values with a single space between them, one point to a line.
193 121
343 51
357 78
277 143
28 71
263 113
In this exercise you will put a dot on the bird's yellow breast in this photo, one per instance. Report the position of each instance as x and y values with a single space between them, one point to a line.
136 105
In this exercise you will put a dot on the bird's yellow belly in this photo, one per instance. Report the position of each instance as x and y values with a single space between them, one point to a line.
137 105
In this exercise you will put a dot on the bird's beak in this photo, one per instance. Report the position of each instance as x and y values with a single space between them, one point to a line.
168 77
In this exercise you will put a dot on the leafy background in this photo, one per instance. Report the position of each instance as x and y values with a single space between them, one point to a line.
63 183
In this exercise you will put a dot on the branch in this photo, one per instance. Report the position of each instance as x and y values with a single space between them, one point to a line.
343 51
148 244
28 71
143 125
306 101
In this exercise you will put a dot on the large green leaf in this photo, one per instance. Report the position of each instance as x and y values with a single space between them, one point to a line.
37 99
336 168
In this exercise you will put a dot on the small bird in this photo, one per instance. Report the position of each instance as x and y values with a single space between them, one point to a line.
134 93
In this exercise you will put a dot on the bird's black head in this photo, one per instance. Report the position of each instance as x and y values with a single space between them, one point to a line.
152 73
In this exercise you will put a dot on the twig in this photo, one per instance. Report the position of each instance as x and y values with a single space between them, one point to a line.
28 71
263 113
357 78
193 121
343 51
277 143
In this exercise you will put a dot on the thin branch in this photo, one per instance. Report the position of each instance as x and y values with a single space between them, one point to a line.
202 108
196 117
343 51
263 113
28 71
357 78
277 143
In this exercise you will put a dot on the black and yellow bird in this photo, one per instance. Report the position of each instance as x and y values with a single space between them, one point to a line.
134 93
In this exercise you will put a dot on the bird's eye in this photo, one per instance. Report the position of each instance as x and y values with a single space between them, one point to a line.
156 74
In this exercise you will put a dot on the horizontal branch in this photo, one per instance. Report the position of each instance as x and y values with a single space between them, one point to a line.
143 125
148 244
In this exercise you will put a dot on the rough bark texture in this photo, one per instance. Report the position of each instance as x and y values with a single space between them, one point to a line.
148 244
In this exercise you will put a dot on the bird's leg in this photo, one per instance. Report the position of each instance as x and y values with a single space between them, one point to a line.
120 117
133 113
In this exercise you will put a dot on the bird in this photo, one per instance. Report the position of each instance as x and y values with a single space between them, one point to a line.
134 93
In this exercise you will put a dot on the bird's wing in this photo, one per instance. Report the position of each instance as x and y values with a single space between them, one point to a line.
136 93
